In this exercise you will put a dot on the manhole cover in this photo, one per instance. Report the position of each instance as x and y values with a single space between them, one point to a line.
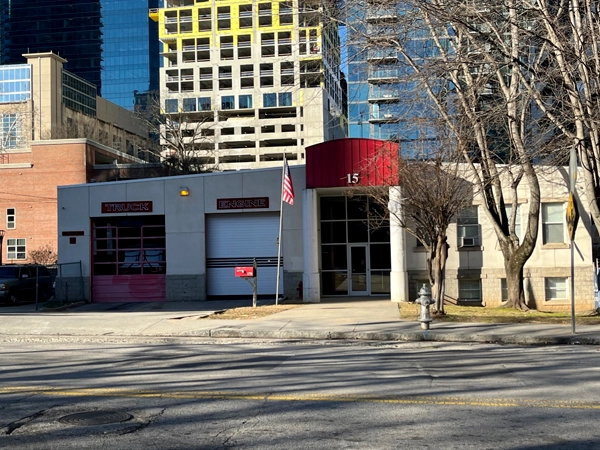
95 418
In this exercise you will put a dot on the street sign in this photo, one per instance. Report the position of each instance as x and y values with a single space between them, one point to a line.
572 217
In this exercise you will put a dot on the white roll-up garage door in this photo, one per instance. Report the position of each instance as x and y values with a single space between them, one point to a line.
234 240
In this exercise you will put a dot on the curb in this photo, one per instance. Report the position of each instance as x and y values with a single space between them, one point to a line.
63 307
425 336
366 337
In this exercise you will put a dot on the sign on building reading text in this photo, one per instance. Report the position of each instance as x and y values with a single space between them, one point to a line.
126 207
243 203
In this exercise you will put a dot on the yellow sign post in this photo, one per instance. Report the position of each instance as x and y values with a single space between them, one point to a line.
572 216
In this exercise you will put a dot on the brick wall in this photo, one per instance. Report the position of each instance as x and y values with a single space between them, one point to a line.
32 191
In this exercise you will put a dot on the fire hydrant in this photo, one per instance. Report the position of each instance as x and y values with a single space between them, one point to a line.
425 301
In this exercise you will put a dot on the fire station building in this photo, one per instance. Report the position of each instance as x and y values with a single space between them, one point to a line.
180 239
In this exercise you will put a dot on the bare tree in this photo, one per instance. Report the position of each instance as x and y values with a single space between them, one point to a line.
184 132
564 79
433 189
461 62
45 255
14 126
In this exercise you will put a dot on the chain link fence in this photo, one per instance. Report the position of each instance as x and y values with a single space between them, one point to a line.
70 285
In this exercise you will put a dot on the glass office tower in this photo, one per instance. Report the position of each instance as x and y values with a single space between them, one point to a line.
130 50
69 29
111 43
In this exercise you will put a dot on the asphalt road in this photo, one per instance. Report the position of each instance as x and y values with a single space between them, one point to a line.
198 394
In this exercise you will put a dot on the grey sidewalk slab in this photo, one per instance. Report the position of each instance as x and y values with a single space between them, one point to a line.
337 319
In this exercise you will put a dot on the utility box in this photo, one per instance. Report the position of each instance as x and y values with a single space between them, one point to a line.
245 272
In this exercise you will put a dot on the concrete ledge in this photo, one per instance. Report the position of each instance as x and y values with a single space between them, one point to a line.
401 337
233 333
64 307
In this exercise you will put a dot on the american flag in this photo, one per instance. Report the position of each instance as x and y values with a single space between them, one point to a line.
288 187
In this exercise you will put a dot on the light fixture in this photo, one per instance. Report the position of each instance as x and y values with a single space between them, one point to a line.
184 191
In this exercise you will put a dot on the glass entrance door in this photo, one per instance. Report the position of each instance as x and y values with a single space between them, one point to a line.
359 270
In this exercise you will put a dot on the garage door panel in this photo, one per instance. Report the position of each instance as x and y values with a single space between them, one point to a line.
222 281
242 235
235 240
129 288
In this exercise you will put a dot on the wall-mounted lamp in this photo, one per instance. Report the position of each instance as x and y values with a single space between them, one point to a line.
184 191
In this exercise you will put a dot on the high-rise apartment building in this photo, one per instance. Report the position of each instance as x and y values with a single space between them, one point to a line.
382 100
110 43
261 78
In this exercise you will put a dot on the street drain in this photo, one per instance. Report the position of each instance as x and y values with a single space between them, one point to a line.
95 418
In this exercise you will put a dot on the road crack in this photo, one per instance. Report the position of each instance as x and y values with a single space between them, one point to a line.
11 427
134 429
227 443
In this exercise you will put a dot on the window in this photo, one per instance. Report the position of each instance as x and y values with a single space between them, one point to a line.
517 220
204 104
171 105
228 102
285 99
503 290
116 142
11 219
420 243
189 104
468 227
10 130
269 100
556 288
469 290
245 101
552 223
125 247
16 249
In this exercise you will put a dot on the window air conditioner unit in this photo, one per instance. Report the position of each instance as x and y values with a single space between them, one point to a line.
468 242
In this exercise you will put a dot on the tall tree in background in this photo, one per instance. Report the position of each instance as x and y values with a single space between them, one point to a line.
564 79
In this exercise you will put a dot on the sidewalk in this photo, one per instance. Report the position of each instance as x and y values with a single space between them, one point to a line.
376 320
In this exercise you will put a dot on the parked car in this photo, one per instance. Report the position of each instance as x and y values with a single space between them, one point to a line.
18 283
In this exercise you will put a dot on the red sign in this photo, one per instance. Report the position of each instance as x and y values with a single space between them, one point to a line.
245 272
126 207
243 203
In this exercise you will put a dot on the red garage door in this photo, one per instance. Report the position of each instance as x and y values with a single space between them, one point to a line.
128 259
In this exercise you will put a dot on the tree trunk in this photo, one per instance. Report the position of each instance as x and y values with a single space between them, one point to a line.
438 271
514 284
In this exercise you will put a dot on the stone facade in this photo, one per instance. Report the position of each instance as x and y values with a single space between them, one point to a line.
181 288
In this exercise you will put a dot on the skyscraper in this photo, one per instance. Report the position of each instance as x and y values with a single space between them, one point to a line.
130 50
262 80
72 30
373 70
111 43
384 99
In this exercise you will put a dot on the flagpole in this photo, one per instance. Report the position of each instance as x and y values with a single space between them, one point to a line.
280 228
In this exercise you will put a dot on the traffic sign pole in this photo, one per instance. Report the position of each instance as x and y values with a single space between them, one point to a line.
572 219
